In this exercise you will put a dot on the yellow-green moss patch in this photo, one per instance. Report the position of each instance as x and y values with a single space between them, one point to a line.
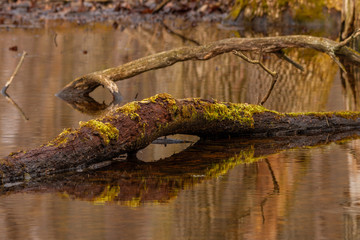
106 130
164 97
130 109
241 113
61 139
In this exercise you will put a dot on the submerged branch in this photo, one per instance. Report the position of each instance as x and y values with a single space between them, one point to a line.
135 125
82 86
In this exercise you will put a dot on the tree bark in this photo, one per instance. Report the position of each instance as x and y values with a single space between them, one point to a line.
82 86
135 125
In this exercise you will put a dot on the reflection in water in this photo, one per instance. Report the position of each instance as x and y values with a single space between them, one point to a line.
216 189
205 192
10 100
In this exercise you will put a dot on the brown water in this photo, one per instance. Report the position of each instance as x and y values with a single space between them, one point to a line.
230 189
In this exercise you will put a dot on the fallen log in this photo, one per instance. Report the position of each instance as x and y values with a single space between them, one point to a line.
135 125
83 85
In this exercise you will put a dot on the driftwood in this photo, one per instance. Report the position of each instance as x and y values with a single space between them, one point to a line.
82 86
135 125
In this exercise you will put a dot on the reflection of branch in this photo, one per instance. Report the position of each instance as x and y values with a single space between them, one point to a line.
258 62
14 103
184 38
276 189
276 184
89 105
262 208
3 90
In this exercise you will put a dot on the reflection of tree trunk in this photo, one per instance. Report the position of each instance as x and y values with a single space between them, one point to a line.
135 125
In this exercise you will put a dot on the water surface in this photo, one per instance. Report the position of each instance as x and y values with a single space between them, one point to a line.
230 189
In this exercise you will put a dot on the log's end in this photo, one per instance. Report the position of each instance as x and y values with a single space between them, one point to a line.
80 87
83 86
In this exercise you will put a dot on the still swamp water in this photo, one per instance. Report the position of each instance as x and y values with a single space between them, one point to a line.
215 189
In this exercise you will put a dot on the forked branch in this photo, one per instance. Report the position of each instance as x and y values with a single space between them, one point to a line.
274 74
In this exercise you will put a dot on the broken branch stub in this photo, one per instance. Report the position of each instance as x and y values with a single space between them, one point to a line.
82 86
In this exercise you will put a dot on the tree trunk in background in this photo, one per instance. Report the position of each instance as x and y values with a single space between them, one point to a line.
350 17
350 21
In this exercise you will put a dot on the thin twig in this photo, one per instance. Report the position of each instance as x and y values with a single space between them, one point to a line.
258 62
281 54
3 90
337 61
341 44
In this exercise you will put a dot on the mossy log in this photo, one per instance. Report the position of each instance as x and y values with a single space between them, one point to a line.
82 86
135 125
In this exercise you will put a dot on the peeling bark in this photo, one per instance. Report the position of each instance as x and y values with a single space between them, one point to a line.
135 125
82 86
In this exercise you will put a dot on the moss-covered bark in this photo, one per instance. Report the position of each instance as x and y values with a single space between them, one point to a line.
137 124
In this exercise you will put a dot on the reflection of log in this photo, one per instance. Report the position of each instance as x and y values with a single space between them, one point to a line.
131 183
82 86
137 124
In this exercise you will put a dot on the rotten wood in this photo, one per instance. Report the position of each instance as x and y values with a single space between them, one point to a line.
135 125
83 85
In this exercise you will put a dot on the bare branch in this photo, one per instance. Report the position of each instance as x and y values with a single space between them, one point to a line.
281 54
336 60
258 62
350 38
3 90
82 86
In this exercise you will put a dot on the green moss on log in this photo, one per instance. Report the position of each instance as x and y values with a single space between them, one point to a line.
62 138
106 130
130 109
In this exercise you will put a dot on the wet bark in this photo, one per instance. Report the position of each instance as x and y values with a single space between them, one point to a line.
82 86
132 127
